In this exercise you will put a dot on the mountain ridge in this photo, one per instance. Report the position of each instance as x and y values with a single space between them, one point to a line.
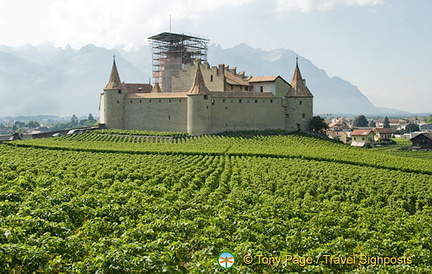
45 79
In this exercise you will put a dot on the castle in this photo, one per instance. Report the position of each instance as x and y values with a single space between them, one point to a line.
194 97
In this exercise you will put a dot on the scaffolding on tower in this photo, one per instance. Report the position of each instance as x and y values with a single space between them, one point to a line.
171 52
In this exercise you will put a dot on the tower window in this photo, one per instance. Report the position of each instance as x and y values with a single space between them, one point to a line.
223 100
287 115
140 101
211 78
160 100
169 101
205 97
149 101
119 91
301 102
231 87
271 101
261 88
256 101
169 117
303 115
240 101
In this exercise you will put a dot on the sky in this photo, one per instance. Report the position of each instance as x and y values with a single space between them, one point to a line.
384 47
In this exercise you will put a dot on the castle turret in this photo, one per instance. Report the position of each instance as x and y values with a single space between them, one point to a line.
198 106
299 105
112 101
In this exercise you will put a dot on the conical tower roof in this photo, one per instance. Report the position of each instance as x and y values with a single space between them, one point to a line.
299 85
198 86
114 81
156 89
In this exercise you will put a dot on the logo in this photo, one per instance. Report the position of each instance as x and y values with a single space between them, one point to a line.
226 260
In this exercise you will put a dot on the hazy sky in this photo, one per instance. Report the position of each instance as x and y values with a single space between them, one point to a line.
382 46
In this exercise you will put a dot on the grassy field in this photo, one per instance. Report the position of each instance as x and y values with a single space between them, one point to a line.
402 148
112 203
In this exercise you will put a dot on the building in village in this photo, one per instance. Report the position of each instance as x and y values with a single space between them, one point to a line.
422 141
191 96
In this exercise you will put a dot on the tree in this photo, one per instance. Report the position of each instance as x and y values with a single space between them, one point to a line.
90 117
386 122
429 120
33 124
372 123
412 128
317 124
74 120
360 121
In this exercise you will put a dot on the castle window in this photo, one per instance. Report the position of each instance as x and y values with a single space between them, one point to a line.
169 117
239 100
232 101
271 101
287 115
169 101
300 103
246 88
118 102
205 97
303 115
211 78
226 107
231 87
180 100
223 100
149 101
140 101
206 107
256 101
131 101
119 91
241 87
261 88
213 102
160 100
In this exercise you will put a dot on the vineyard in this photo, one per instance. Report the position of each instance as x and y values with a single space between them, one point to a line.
124 202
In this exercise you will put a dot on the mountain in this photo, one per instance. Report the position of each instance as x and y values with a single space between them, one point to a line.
45 79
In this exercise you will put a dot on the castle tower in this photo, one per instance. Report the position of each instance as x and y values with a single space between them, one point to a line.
198 106
171 52
112 103
299 104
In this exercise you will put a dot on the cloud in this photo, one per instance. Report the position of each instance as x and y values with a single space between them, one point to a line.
320 5
114 22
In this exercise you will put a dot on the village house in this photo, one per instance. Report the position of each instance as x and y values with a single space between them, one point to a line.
397 124
342 136
383 133
362 137
422 141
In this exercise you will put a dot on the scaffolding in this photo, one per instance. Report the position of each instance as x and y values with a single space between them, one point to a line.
171 52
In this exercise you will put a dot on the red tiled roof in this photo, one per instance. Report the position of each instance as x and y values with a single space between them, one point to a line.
361 132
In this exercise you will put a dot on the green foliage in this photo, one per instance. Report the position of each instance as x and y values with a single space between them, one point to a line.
360 121
173 206
317 124
386 123
33 124
412 128
429 120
